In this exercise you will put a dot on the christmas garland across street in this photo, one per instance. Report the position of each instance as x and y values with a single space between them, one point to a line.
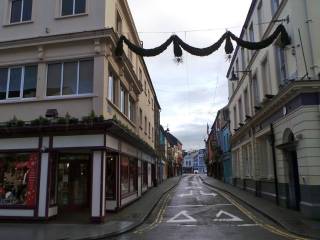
179 44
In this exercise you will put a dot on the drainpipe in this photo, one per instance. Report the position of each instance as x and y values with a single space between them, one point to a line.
274 163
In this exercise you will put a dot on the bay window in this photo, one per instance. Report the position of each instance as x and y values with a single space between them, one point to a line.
18 82
18 179
70 78
73 7
21 11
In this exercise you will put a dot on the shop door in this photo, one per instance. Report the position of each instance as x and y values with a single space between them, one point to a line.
294 185
73 182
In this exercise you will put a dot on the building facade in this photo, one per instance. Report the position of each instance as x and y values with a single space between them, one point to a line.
187 166
274 106
174 154
77 123
199 162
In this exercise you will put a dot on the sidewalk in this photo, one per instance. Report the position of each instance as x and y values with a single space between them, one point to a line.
123 221
292 221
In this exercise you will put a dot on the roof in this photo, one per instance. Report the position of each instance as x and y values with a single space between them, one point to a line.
172 139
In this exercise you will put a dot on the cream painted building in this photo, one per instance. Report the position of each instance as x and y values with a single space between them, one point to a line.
76 121
274 100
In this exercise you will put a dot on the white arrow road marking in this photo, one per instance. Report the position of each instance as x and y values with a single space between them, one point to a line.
187 188
232 218
186 194
208 194
187 218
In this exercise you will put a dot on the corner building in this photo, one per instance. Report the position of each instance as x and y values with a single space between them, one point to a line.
77 127
274 106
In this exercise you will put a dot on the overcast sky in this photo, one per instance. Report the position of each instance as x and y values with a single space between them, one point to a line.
191 93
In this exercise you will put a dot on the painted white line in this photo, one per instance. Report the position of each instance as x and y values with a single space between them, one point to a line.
187 188
187 218
186 194
201 205
248 225
187 225
208 194
231 217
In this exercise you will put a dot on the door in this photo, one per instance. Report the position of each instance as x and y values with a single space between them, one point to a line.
74 181
294 185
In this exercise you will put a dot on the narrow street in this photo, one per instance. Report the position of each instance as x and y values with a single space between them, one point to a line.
195 211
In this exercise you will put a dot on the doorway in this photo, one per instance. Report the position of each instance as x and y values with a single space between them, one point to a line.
74 174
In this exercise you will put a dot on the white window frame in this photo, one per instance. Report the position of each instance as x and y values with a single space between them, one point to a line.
21 83
21 13
62 80
73 9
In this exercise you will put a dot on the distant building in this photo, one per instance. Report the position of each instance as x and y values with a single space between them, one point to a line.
188 160
199 163
174 154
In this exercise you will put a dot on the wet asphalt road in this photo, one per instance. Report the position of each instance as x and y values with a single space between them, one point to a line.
195 211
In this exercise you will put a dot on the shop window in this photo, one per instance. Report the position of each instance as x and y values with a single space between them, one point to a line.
21 11
72 7
128 175
111 177
18 179
70 78
18 82
145 174
53 180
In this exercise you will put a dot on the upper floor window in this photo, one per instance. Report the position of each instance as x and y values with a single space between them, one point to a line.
251 33
281 65
145 125
131 111
255 90
21 11
240 110
119 24
72 7
111 88
274 6
18 82
140 111
70 78
123 100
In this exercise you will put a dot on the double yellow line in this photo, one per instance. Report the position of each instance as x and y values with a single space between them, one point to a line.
260 223
158 219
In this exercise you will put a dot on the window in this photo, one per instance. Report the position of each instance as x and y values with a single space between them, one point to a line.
246 102
129 177
235 119
281 65
264 154
152 104
21 11
123 100
149 130
260 19
240 110
131 111
119 24
70 78
243 60
111 88
144 174
152 134
111 177
145 87
140 75
251 33
18 179
18 82
274 6
266 80
145 125
255 90
72 7
140 111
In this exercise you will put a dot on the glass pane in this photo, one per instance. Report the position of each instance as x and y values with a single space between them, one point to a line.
30 81
18 179
86 77
124 175
111 177
27 10
110 89
54 79
80 6
16 6
15 82
3 83
70 74
67 7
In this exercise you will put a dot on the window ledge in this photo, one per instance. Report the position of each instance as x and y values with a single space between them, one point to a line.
71 16
121 113
66 97
17 23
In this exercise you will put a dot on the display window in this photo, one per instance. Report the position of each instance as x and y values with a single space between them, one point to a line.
18 179
111 177
145 174
129 175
